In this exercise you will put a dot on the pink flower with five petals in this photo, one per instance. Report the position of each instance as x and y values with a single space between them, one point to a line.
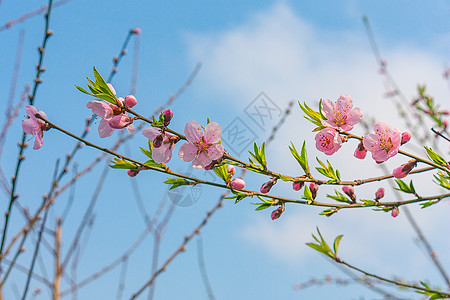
202 146
384 143
35 126
341 114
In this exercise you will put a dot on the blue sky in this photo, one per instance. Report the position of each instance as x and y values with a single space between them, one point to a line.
290 50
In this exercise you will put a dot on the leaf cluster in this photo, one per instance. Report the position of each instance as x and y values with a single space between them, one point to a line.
99 89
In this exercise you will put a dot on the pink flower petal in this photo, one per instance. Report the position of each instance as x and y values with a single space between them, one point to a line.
31 126
130 128
38 141
162 154
201 161
151 132
31 111
104 130
215 151
213 133
187 152
193 131
100 108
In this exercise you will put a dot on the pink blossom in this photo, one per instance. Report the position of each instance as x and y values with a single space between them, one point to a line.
35 126
406 136
130 101
163 153
167 115
404 169
328 141
360 151
297 185
349 191
379 194
122 121
112 116
277 212
132 173
265 188
384 143
341 115
237 184
202 146
395 212
231 169
313 187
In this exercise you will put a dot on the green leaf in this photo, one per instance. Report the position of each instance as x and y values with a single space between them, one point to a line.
238 196
340 197
222 172
337 240
402 186
428 203
328 171
259 156
118 163
368 202
176 182
312 116
307 195
301 159
435 157
152 163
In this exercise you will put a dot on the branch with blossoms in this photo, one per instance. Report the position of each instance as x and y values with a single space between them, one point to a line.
202 147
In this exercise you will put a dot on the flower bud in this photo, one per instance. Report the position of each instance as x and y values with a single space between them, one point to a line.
231 170
265 188
130 101
157 142
349 190
277 212
395 212
360 151
297 185
404 169
379 194
237 184
120 121
136 30
313 187
406 136
167 115
132 172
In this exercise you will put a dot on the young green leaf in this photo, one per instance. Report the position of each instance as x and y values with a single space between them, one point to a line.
176 182
118 163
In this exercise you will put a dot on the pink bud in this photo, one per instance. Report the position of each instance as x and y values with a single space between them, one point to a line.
237 184
136 30
349 190
395 212
167 114
297 185
130 101
360 151
132 173
379 194
404 169
265 188
120 121
277 212
406 136
313 187
231 170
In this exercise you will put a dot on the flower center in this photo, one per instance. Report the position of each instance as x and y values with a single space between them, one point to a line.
386 145
202 145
